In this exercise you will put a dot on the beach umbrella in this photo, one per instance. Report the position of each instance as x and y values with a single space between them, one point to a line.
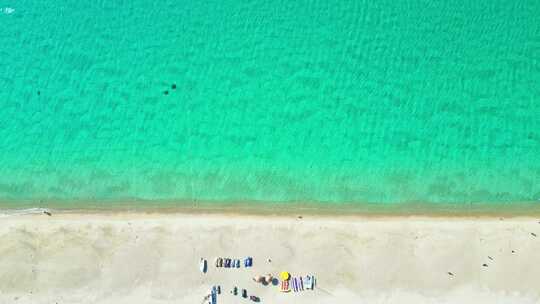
284 275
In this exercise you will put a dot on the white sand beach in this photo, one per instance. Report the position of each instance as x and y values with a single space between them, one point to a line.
154 258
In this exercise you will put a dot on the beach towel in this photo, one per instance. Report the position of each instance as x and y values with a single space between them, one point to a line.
203 265
300 284
296 285
284 286
214 295
308 282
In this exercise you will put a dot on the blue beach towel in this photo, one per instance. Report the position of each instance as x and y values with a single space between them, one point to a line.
214 295
308 282
295 284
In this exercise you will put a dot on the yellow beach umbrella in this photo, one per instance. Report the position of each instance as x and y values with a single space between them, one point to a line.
284 275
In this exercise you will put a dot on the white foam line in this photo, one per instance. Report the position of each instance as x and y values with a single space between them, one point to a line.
18 212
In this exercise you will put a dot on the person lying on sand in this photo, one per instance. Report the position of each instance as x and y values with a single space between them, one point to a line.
265 280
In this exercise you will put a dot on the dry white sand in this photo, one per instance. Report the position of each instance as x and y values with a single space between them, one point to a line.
154 258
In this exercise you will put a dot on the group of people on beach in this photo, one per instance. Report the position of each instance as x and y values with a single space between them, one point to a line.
288 282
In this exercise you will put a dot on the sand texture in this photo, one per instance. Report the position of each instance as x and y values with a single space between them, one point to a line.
154 258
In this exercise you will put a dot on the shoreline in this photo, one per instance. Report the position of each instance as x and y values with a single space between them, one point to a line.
200 215
432 210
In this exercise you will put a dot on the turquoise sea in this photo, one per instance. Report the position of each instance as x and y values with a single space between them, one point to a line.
318 101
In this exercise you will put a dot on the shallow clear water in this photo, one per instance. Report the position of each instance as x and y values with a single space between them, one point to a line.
318 101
